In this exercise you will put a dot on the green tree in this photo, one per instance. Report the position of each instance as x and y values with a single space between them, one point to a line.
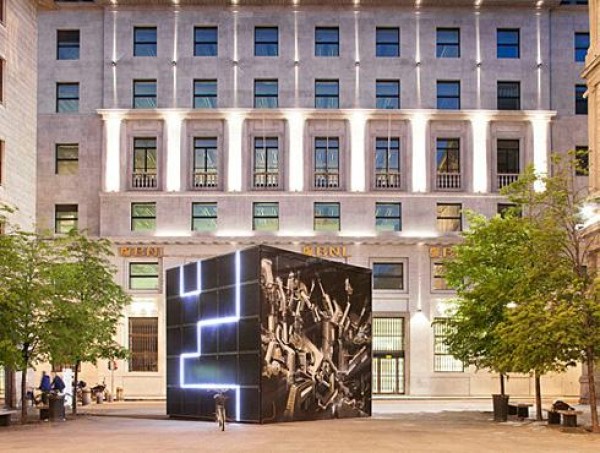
87 304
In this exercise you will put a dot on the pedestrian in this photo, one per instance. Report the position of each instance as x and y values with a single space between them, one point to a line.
58 384
45 387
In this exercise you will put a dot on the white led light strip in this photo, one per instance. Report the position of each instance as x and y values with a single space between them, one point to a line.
211 322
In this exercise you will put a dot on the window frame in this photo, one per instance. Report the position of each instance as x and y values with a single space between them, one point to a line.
133 217
440 218
510 103
209 174
502 154
153 99
58 221
199 43
321 83
266 99
149 355
582 160
68 45
61 100
266 43
131 276
214 217
317 218
508 45
322 45
58 160
381 44
326 174
211 99
136 42
442 46
581 103
381 97
578 50
385 179
440 98
397 218
452 155
272 179
438 343
389 276
256 225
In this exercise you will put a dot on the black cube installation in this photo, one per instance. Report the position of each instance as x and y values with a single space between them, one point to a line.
287 336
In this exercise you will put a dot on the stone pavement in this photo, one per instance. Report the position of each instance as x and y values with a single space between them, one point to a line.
397 426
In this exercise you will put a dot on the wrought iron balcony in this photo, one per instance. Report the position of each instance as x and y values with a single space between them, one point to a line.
505 179
327 180
446 181
203 180
143 180
266 180
387 180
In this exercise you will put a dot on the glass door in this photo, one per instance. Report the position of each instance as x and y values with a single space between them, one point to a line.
388 355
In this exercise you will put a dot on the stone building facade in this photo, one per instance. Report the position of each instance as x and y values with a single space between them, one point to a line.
354 130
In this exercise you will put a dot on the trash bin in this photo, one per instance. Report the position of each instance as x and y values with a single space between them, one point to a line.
56 407
119 393
500 407
86 397
99 398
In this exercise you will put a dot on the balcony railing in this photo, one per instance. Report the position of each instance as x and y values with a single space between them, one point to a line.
143 180
203 180
448 181
266 180
327 181
387 180
505 179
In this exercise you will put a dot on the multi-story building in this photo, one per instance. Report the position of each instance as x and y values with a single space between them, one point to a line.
354 130
18 118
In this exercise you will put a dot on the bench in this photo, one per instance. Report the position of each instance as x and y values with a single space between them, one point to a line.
521 410
569 417
5 416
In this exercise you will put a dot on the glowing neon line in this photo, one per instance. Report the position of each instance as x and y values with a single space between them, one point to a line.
212 322
198 290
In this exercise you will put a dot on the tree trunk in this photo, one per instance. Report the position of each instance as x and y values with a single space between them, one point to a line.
590 357
538 397
502 392
75 387
24 396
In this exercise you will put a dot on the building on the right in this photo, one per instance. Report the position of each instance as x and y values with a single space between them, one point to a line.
591 73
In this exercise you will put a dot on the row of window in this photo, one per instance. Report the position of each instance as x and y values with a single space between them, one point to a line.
326 42
327 171
265 216
327 95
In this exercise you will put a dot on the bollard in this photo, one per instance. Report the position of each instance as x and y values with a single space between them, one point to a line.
109 398
86 397
99 398
119 393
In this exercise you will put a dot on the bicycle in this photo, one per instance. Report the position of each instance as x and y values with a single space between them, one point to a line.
220 413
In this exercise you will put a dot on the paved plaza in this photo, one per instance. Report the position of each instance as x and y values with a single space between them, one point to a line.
397 426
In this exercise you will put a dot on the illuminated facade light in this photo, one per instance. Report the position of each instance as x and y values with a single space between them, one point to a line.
296 173
235 122
479 125
112 171
540 125
173 152
358 122
419 153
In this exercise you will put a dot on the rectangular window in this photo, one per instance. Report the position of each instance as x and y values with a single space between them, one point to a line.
582 43
388 216
204 217
508 43
443 360
327 217
448 43
266 41
143 276
327 94
143 216
145 166
448 95
582 161
387 42
65 218
448 175
327 41
439 278
504 209
388 276
581 105
266 162
509 95
144 94
388 356
144 42
206 40
67 159
327 162
265 216
387 93
205 94
508 161
266 93
206 170
67 44
449 217
387 163
143 344
67 97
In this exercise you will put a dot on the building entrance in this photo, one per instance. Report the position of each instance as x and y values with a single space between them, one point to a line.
388 355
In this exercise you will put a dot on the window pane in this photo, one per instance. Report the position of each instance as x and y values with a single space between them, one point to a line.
145 42
67 159
143 344
388 42
582 43
205 41
388 276
67 44
508 43
266 216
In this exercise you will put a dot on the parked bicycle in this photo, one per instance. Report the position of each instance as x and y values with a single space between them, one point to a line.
220 413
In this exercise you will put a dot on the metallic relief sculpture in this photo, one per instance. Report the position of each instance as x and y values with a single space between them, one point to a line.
316 341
